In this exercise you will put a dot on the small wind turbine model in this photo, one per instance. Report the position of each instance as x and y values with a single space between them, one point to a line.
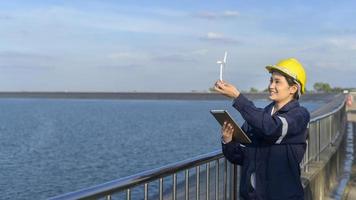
222 64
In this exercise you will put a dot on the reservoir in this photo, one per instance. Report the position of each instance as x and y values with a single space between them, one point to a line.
54 146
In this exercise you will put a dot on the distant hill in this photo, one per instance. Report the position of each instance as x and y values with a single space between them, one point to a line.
147 95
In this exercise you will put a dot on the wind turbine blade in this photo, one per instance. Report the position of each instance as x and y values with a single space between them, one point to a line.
225 56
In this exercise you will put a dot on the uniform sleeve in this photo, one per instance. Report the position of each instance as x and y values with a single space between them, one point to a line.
245 127
297 123
273 128
249 130
233 152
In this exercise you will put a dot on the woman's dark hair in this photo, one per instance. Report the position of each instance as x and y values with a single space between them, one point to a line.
290 81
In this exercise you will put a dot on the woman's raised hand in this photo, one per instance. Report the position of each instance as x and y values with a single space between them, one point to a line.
227 132
226 89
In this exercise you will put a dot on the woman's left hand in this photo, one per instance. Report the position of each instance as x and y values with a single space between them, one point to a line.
226 89
227 132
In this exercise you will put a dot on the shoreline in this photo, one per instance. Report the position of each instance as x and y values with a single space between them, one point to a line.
149 95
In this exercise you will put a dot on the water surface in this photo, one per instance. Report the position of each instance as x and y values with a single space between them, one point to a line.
54 146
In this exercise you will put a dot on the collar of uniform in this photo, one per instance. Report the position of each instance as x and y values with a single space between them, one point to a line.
290 105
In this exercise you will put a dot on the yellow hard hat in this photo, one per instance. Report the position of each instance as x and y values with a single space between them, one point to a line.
292 68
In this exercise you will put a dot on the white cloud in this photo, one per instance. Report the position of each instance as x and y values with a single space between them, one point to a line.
215 36
230 13
217 15
166 12
200 52
174 58
219 37
58 18
346 43
26 60
206 15
128 56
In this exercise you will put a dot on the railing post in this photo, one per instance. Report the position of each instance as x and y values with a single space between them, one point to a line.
225 179
145 191
174 193
197 182
187 184
207 180
307 154
217 168
330 130
318 139
234 182
161 189
128 194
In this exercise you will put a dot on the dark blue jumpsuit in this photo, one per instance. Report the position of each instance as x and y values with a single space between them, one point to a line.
270 164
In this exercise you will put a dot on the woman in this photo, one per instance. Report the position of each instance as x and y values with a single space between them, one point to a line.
270 164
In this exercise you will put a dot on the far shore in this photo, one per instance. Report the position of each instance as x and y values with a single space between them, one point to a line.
149 95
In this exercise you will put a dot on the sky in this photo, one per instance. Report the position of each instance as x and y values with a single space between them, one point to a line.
171 46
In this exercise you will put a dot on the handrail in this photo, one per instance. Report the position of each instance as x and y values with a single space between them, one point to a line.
118 185
339 99
327 127
139 178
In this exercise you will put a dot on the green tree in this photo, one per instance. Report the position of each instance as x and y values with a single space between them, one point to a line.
253 90
338 89
211 89
322 87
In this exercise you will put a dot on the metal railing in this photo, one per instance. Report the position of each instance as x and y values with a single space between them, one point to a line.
210 176
325 127
209 173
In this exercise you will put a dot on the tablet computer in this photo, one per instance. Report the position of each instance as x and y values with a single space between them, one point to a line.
239 135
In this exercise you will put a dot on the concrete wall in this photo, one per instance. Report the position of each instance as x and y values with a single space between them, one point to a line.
322 175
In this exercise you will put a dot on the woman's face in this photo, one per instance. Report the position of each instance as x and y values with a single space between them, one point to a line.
279 89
